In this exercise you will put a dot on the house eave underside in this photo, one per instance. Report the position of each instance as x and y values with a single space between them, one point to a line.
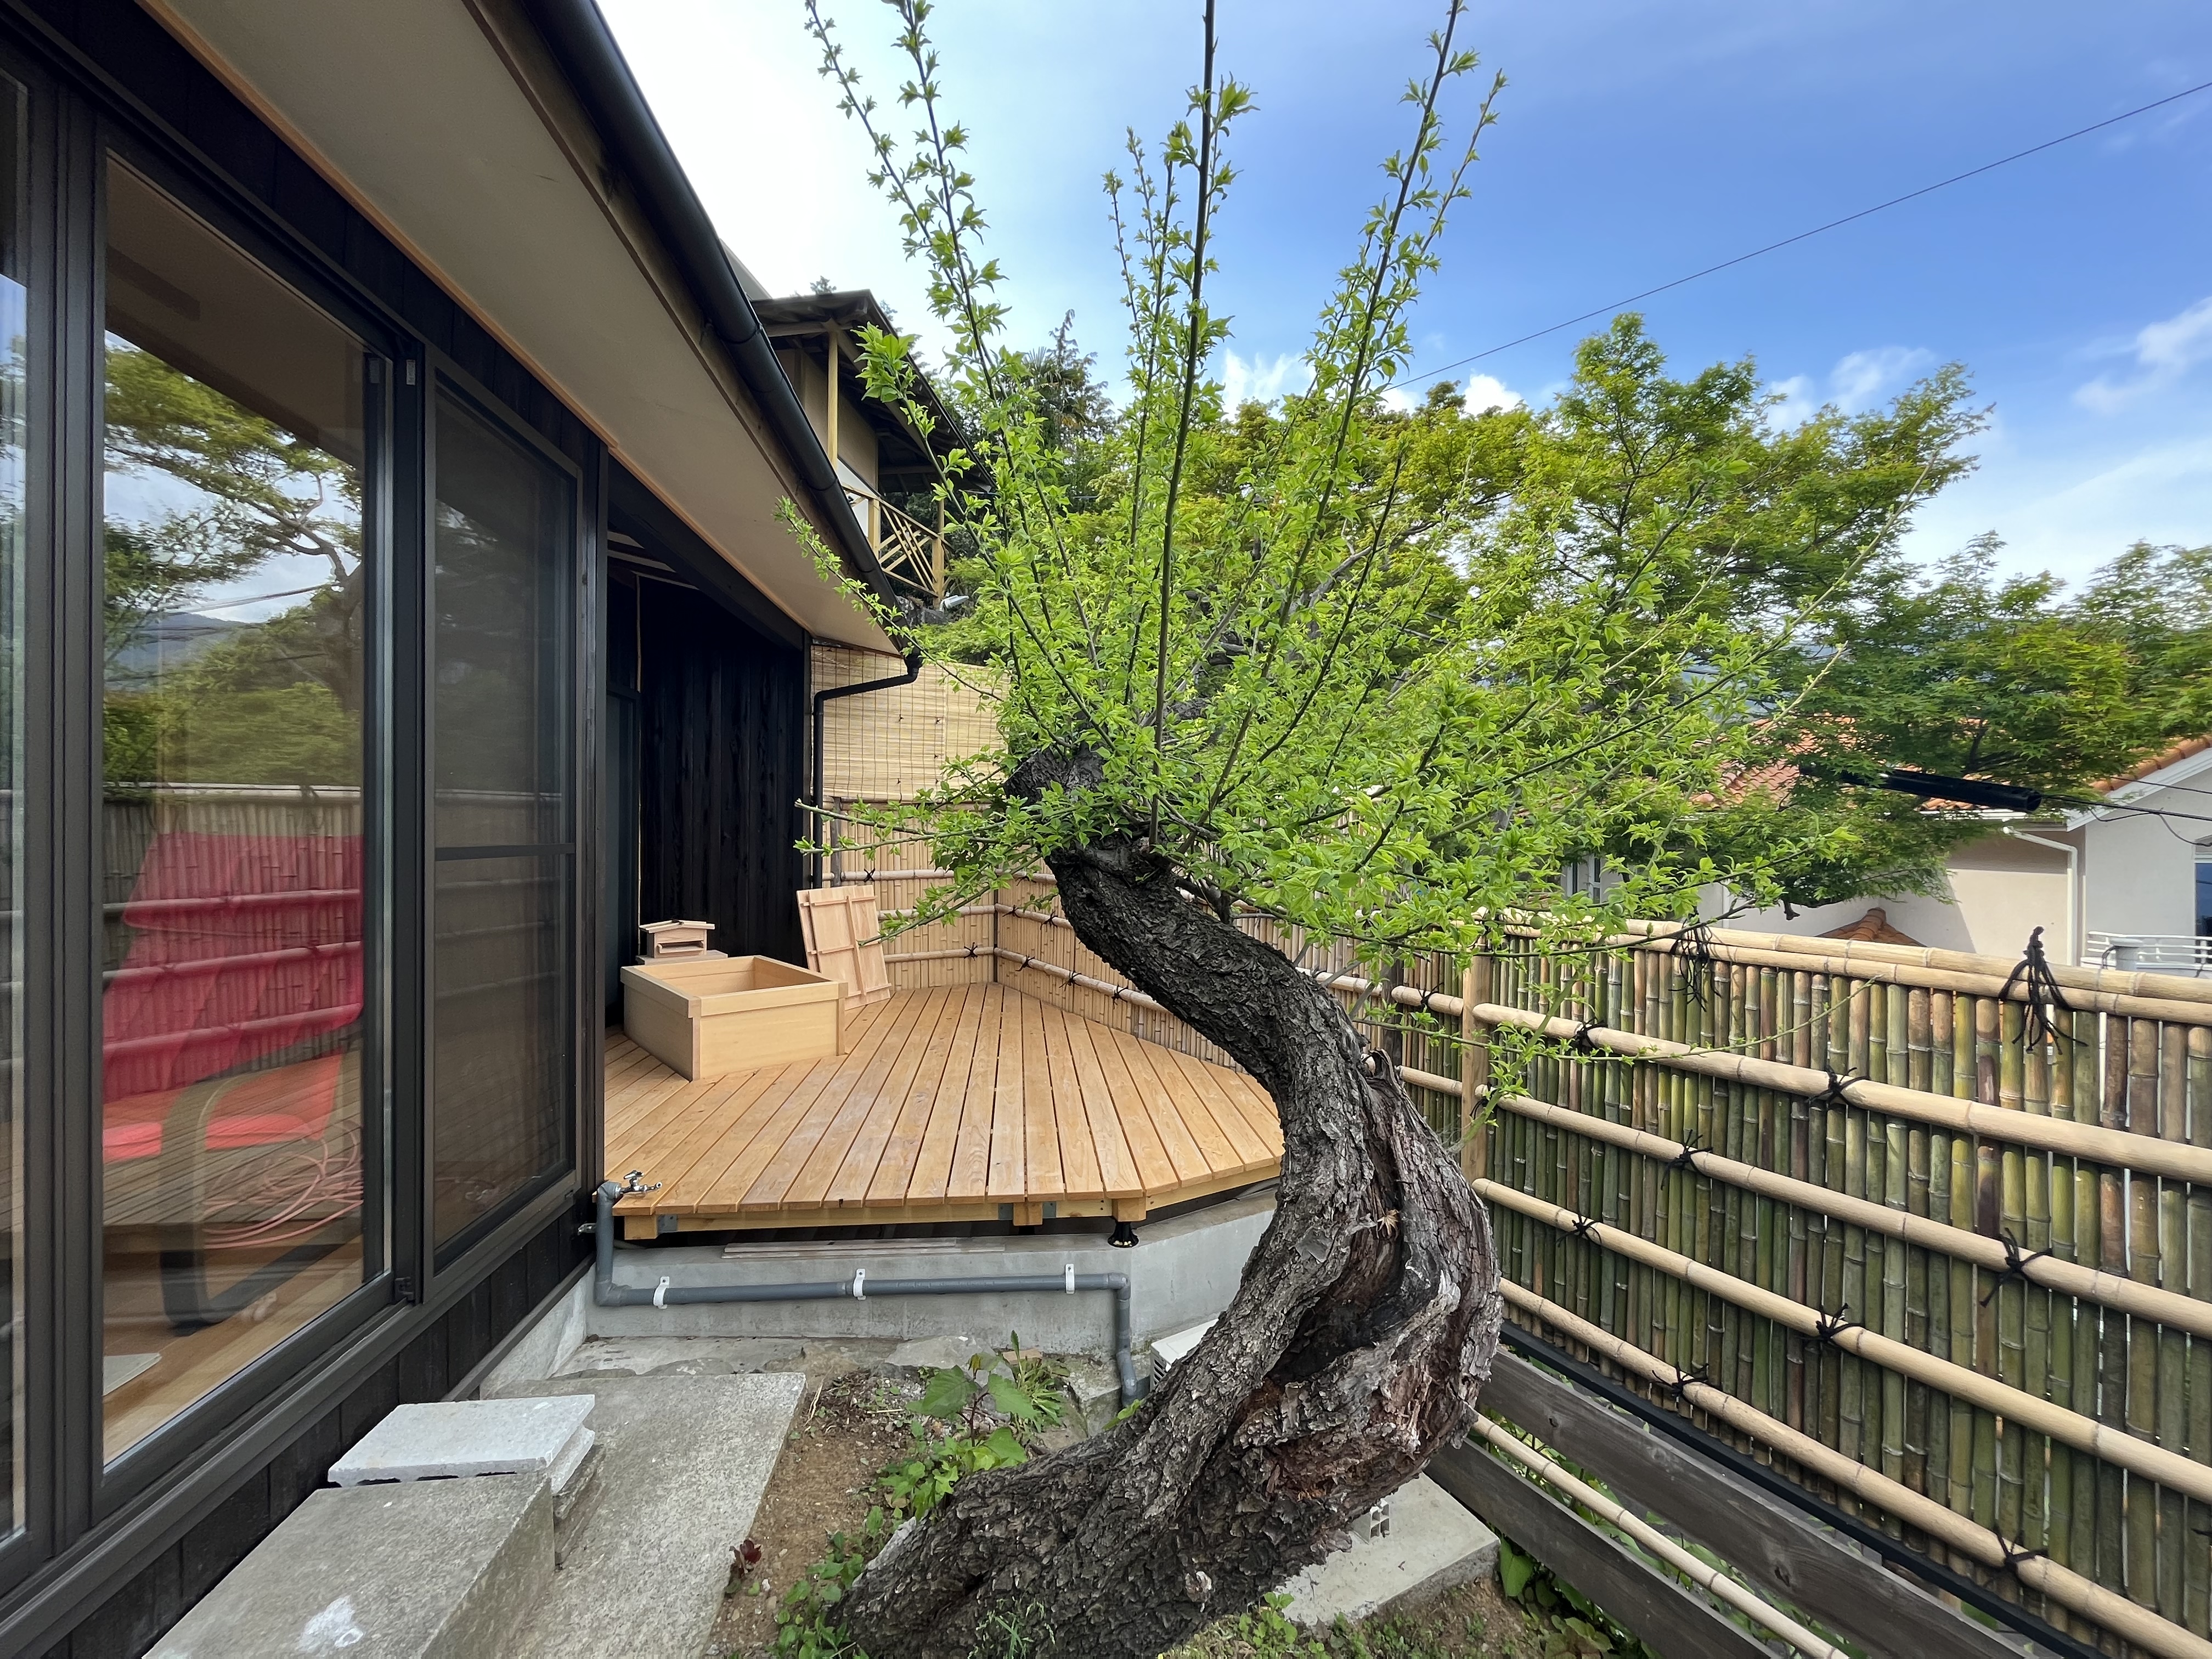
456 127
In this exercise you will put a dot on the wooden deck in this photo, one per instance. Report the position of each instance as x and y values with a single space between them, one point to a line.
960 1103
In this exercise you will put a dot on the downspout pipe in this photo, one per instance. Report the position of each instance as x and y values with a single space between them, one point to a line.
639 153
860 1287
2074 906
822 699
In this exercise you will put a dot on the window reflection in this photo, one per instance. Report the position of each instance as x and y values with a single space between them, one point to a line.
505 871
234 609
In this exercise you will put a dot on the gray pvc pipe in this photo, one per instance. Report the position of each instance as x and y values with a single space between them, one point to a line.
860 1287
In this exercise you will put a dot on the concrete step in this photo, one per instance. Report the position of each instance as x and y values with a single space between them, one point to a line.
1429 1543
685 1461
421 1570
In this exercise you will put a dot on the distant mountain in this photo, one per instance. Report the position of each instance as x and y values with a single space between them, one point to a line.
162 644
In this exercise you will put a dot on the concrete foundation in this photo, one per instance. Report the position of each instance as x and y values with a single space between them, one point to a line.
686 1461
1183 1271
1433 1544
426 1570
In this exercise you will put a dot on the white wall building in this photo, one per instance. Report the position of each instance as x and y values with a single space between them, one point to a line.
2126 885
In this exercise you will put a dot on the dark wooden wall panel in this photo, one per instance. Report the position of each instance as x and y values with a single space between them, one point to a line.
721 750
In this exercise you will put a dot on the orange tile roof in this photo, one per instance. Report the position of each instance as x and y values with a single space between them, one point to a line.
2158 762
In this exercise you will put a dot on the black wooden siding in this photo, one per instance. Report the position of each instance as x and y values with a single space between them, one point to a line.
721 751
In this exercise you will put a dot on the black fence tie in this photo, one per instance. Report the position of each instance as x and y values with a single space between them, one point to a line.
2015 1267
1680 1385
1582 1225
2014 1554
1837 1082
1118 991
2031 973
973 948
1581 1039
1694 945
1687 1157
1828 1326
1425 1009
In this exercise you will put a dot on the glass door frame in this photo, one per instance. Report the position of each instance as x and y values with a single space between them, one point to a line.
148 1462
527 1211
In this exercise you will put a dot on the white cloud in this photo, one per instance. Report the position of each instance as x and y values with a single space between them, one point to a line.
1865 378
1798 405
1859 381
2060 505
2164 351
1261 378
1488 392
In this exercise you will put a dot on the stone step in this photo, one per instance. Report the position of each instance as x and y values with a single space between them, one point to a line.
417 1570
685 1462
1429 1544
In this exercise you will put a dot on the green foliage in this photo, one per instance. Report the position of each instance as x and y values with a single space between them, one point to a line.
806 1624
952 1432
1375 673
1571 1625
970 1419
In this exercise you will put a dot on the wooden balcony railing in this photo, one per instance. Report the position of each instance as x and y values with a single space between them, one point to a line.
911 553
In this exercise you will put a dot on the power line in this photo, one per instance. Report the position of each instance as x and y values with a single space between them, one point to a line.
1833 224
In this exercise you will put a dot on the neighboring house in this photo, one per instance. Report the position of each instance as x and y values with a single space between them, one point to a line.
491 643
885 463
2125 884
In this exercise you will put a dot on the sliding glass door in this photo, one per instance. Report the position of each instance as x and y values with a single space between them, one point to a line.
235 643
503 675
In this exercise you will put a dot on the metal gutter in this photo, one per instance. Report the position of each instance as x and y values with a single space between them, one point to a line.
578 38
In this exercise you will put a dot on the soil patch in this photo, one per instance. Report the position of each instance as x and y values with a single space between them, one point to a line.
1473 1621
849 1428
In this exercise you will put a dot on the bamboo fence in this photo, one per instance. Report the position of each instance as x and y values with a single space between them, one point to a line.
1865 1196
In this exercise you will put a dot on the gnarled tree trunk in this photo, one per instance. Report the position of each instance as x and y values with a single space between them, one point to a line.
1361 1334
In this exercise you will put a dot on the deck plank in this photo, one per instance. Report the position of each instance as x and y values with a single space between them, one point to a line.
933 1164
1119 1171
1252 1149
971 1149
1157 1163
1041 1175
727 1191
848 1096
1151 1065
905 1101
1079 1155
953 1100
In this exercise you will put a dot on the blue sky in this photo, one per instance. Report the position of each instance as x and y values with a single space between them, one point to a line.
1636 142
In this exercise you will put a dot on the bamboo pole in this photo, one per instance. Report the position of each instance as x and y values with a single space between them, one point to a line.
1977 1544
1855 957
1654 1542
2146 1153
2120 1449
2183 1313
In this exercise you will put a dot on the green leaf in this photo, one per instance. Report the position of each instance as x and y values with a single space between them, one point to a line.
1005 1449
1515 1570
946 1393
1010 1397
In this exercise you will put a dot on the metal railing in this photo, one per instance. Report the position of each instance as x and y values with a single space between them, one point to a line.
2162 953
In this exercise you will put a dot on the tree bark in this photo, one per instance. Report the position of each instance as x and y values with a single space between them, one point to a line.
1359 1338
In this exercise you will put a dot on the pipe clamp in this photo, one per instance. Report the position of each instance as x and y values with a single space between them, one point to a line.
860 1284
660 1293
1070 1278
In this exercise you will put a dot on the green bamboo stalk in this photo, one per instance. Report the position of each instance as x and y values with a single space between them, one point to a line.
1938 1474
2141 1499
2039 1305
2173 1407
2197 1575
2010 1301
2111 1328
